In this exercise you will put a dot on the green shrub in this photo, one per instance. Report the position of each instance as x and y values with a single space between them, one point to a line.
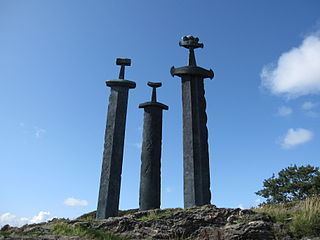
292 183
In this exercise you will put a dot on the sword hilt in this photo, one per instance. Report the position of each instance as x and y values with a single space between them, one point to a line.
154 86
123 62
191 43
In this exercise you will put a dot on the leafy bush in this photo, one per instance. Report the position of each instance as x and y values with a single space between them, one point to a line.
292 183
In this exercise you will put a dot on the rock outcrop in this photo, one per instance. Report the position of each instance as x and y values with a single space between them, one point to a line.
206 222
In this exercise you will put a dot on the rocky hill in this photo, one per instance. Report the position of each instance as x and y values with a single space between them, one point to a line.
206 222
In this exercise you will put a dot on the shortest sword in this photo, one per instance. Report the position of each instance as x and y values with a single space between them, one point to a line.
123 62
154 86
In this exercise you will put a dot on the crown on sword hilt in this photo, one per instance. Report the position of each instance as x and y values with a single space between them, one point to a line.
190 42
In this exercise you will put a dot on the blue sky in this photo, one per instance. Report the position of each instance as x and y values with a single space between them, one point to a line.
263 105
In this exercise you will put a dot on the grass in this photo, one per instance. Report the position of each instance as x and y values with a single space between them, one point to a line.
64 229
301 218
92 215
306 221
156 215
4 234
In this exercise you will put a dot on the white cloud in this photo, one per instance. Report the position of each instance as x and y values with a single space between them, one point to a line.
13 220
241 206
7 218
309 108
296 137
284 111
39 132
297 71
309 105
41 217
73 202
312 114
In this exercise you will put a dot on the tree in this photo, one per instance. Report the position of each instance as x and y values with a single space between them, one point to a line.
292 183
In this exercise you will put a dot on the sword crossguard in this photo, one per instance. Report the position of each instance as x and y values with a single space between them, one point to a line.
123 62
154 86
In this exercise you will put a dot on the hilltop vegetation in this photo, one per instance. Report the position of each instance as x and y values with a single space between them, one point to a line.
291 212
290 221
297 218
292 184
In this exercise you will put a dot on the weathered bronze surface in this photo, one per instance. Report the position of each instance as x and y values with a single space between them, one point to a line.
110 181
150 175
195 132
